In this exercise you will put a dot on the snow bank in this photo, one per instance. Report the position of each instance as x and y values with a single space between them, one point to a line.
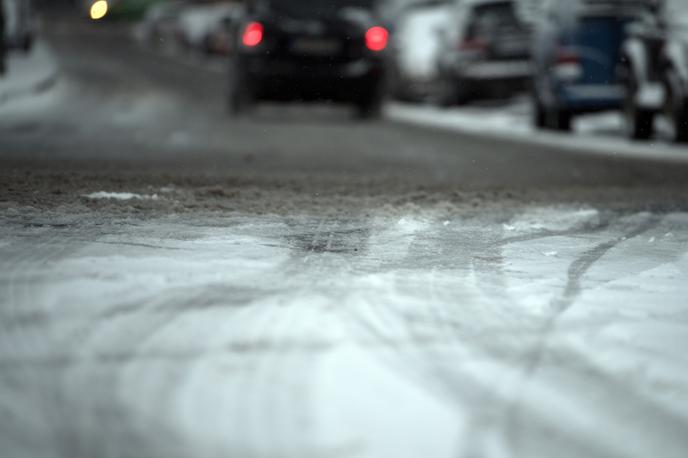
599 134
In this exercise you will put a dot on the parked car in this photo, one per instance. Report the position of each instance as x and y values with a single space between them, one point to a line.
485 51
19 24
415 50
221 36
578 57
655 70
196 21
303 50
160 22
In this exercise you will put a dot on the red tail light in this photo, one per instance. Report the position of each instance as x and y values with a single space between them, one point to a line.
253 34
376 38
473 44
567 56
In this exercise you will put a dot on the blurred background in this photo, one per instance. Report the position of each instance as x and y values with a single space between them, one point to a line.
540 64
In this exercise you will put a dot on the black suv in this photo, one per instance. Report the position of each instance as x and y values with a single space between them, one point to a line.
306 50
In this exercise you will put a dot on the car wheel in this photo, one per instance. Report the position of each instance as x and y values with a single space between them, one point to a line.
369 106
463 93
539 113
677 107
559 119
446 96
639 122
27 44
240 95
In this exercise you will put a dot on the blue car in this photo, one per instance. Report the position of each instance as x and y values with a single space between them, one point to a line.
578 58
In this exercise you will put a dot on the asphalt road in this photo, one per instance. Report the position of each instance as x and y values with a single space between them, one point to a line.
302 284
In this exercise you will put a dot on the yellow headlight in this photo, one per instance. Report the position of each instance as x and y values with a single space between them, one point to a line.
99 9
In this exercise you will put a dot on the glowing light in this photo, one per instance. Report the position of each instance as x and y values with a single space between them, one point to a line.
253 34
99 9
376 38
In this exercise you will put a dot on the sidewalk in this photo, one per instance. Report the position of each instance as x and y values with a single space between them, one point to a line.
28 74
597 134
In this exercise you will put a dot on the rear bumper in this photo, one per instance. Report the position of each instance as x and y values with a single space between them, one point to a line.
590 97
285 80
495 71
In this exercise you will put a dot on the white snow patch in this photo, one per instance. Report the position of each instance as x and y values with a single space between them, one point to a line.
120 196
552 219
600 134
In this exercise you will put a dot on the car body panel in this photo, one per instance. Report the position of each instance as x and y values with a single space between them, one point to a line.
593 33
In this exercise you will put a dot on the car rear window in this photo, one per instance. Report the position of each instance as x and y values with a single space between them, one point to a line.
310 8
490 19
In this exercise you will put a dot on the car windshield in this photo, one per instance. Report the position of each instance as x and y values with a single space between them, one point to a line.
312 8
342 229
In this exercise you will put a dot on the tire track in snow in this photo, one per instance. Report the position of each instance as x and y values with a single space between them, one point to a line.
576 271
575 274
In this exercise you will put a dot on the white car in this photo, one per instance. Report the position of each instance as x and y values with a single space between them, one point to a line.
197 22
416 48
161 22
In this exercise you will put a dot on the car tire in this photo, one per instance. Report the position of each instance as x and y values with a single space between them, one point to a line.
462 94
639 122
446 97
539 114
677 107
559 119
241 97
27 44
369 106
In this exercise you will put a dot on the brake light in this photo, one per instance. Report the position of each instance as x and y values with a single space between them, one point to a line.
253 34
376 38
567 56
568 66
474 44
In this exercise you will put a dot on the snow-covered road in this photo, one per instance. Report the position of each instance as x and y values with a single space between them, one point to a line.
558 331
174 283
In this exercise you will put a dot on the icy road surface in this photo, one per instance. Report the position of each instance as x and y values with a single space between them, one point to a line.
297 284
558 331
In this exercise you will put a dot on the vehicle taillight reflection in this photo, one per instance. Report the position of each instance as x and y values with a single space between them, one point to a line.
567 65
253 34
376 38
473 44
567 56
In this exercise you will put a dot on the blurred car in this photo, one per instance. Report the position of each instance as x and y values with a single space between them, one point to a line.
221 37
415 50
300 50
19 24
197 21
160 22
656 73
485 51
578 58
